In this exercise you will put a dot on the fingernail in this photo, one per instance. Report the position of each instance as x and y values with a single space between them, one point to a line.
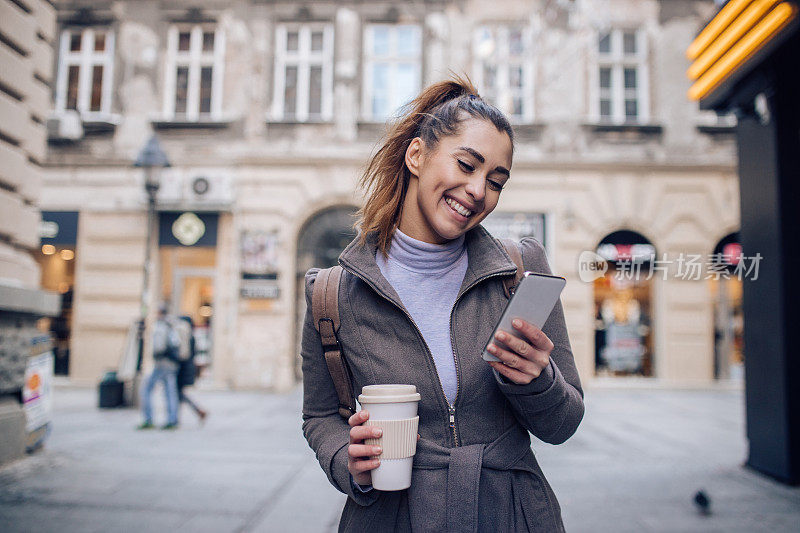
377 449
516 323
492 348
378 432
501 336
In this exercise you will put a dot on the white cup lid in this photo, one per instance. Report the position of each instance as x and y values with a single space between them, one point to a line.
389 393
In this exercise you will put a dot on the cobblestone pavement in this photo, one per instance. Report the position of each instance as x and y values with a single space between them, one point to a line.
634 465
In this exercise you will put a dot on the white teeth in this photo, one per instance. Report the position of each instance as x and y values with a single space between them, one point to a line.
460 209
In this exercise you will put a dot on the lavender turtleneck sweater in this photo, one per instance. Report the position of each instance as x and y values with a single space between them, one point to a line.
427 277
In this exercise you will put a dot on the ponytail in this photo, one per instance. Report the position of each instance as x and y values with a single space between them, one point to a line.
437 111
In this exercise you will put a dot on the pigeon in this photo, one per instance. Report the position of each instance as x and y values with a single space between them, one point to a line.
703 503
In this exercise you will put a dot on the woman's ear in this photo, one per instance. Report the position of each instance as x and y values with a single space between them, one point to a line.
414 156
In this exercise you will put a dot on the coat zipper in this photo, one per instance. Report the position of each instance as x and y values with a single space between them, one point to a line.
451 408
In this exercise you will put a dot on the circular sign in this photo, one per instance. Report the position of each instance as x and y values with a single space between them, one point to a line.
200 186
188 229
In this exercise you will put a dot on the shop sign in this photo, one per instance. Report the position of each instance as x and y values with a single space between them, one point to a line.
635 253
37 392
259 264
59 228
187 229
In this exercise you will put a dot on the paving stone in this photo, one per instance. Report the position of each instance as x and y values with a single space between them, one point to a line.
633 466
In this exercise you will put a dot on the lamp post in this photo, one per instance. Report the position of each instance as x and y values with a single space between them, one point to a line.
152 159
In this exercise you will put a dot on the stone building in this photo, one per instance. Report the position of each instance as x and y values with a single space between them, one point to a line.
268 111
27 30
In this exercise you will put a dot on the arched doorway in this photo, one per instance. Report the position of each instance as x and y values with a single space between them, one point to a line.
726 293
319 243
623 306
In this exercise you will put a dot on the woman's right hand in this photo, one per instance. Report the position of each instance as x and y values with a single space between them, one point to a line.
361 458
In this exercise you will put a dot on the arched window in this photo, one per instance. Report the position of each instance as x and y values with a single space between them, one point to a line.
623 307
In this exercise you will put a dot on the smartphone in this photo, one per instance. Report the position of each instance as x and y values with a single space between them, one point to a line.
533 301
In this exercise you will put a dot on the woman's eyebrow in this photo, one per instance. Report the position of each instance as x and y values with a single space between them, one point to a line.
474 153
477 155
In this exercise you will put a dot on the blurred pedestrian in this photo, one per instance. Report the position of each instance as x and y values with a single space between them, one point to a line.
188 369
166 346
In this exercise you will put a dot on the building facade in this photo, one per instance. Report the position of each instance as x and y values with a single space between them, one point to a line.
27 30
268 112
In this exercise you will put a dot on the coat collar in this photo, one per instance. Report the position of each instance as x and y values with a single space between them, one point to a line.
485 258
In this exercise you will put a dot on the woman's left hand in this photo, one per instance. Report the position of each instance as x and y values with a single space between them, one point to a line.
523 361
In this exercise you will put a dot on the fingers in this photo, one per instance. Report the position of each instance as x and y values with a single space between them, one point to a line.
361 458
535 335
359 466
514 375
514 361
359 433
356 451
358 418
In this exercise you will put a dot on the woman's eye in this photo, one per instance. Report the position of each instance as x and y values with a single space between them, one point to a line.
465 166
497 186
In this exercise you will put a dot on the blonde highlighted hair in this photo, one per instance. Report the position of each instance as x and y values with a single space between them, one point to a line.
437 111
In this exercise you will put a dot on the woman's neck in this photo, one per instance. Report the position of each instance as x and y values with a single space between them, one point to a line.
424 257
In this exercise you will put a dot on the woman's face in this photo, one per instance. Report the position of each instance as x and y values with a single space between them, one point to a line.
455 185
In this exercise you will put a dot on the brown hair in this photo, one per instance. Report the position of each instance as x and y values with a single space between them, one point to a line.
437 111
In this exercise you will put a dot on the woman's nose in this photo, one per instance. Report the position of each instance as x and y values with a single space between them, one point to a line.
476 188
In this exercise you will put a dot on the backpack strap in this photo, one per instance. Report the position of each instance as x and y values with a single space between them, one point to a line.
510 283
325 310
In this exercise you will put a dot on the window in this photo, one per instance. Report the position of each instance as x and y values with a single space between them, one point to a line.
392 68
303 73
85 72
622 91
502 70
194 73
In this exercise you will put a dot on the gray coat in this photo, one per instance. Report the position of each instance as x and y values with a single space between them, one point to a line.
480 474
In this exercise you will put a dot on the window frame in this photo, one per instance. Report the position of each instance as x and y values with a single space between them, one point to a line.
393 59
195 59
502 59
304 59
86 59
618 61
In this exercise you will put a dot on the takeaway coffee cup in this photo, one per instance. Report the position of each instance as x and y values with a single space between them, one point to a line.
393 408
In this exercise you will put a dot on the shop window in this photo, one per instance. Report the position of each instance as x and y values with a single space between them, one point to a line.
623 307
85 72
502 69
726 293
194 73
621 86
303 88
392 68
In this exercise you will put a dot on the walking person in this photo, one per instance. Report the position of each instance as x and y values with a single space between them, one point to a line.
166 346
187 371
421 291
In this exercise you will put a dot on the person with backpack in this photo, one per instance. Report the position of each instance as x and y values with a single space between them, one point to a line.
166 361
187 372
414 299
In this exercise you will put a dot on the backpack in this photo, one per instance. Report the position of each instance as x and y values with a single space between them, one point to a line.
166 341
325 312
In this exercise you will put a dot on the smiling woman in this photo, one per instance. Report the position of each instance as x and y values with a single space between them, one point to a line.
420 291
445 150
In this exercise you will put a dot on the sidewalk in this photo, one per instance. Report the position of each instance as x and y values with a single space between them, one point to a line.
634 465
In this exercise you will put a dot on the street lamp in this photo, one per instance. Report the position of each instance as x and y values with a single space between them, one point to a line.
152 159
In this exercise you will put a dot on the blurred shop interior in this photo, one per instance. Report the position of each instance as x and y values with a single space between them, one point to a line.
56 258
188 259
